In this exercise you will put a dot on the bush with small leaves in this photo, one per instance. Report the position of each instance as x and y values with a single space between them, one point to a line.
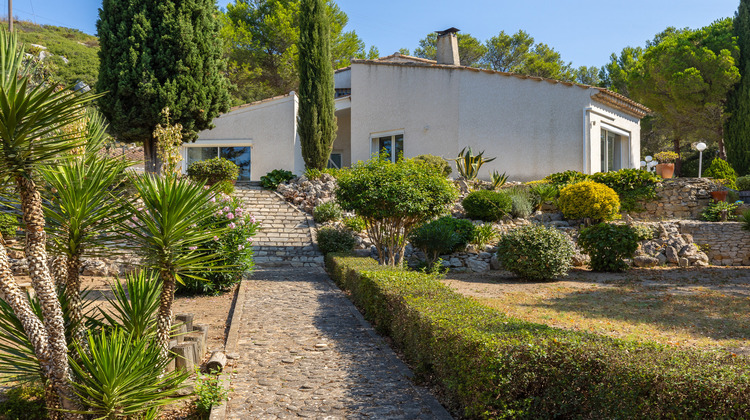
355 224
212 171
24 402
563 179
435 239
327 212
522 205
743 183
609 244
722 171
437 162
209 392
489 206
331 239
535 252
8 225
589 200
271 180
714 212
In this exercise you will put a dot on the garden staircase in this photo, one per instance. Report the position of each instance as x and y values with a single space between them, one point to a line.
285 235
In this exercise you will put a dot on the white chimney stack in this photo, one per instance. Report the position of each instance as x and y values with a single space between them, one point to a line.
447 47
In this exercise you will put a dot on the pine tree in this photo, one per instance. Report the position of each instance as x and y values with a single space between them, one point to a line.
158 54
316 119
737 132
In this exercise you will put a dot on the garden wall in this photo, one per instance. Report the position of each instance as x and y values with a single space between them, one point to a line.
679 198
724 243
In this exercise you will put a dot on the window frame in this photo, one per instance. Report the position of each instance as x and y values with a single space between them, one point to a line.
376 136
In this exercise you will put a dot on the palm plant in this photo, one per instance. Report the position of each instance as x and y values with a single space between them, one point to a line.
82 210
32 119
164 228
468 164
134 306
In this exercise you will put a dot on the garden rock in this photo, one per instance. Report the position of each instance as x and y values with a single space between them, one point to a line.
495 263
689 250
306 193
645 261
672 255
477 265
579 260
95 268
684 263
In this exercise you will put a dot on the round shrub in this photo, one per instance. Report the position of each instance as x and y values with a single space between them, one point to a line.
8 225
561 179
326 212
535 252
486 205
608 245
213 170
433 237
721 170
331 239
743 183
589 200
271 180
521 202
437 162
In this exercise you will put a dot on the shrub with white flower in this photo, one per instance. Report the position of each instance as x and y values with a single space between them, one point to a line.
234 246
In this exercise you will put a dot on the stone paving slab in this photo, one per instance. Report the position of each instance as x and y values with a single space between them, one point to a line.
306 352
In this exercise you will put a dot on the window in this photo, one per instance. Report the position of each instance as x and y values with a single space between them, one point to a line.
614 151
334 161
239 155
393 145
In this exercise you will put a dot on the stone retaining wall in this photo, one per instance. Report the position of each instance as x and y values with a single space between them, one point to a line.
724 243
679 198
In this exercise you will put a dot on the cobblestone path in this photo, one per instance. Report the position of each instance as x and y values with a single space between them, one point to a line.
305 351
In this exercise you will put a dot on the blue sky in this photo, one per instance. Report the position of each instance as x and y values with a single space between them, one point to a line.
585 32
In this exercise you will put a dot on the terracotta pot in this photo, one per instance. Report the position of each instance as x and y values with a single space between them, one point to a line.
719 195
665 170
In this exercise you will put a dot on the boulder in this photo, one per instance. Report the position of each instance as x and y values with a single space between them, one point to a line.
95 268
495 263
672 255
645 261
688 250
477 265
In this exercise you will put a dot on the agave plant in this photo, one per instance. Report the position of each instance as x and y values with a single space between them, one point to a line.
164 228
498 180
82 211
468 165
120 375
32 122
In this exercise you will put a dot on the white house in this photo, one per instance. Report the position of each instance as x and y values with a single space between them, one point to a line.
534 126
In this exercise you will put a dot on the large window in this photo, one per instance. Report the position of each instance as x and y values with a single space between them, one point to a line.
392 144
614 151
239 155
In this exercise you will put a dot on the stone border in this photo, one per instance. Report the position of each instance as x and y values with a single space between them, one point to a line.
219 412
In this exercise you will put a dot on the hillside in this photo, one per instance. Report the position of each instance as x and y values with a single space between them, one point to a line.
78 48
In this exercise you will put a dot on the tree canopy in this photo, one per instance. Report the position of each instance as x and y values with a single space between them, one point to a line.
157 55
261 38
738 106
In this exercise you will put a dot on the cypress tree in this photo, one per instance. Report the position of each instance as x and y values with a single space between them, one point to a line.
316 121
737 132
156 54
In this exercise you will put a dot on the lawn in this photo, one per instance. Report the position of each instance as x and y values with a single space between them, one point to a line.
706 308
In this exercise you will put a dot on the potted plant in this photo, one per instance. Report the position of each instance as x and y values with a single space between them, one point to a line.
665 167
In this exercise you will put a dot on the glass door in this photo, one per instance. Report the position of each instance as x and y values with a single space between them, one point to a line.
610 151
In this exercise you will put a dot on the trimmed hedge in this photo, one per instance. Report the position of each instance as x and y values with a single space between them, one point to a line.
493 366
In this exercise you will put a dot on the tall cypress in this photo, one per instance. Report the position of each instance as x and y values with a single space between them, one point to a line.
316 121
737 131
156 54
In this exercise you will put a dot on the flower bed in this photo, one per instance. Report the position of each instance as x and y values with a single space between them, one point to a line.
493 366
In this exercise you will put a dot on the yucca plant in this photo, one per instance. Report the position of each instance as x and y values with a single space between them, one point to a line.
82 210
135 305
468 164
32 134
164 229
120 375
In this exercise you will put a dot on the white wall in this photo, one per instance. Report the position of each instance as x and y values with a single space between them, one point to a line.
269 127
534 128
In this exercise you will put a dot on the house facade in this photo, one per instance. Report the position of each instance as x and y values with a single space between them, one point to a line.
533 126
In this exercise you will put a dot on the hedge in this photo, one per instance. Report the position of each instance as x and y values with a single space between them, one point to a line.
493 366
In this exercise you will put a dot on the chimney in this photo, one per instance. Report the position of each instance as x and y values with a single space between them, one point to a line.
447 47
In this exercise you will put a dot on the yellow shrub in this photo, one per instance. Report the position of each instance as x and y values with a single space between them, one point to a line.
589 199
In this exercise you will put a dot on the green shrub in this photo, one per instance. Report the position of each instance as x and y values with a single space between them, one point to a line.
722 171
442 236
224 187
484 234
313 173
212 171
24 403
327 212
8 225
563 179
631 185
437 162
209 392
713 211
394 198
355 224
489 206
589 199
521 200
609 244
535 252
271 180
493 366
743 183
543 193
332 239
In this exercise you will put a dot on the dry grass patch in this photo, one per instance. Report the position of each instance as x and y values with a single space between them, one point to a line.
709 308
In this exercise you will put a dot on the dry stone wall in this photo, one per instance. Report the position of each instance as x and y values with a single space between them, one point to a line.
724 243
679 198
